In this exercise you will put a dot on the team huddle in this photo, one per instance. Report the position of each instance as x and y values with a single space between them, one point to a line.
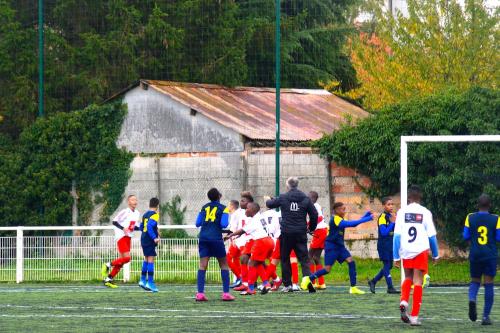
259 240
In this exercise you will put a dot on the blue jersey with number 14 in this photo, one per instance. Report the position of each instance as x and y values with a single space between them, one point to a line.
212 218
483 231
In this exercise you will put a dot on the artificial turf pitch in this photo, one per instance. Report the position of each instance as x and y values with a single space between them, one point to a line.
94 308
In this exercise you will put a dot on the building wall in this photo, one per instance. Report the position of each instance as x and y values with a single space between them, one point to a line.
155 123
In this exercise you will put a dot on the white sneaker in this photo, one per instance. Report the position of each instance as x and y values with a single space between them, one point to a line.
414 321
295 287
403 308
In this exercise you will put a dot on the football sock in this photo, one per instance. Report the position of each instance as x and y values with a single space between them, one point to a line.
151 272
144 271
295 273
387 273
263 274
417 300
352 273
252 277
321 279
271 271
201 280
405 290
489 295
317 274
224 273
312 267
473 290
244 273
236 267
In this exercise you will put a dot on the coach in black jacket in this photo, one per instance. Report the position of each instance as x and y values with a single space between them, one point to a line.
295 206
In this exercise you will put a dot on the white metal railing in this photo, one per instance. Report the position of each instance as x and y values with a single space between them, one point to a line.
44 254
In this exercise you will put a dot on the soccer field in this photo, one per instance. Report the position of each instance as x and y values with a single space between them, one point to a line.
88 308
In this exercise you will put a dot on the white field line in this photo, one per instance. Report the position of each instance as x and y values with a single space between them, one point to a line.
195 313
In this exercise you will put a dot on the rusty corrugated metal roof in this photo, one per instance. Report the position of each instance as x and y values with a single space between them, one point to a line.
305 113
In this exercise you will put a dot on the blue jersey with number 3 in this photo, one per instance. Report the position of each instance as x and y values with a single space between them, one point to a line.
212 218
483 230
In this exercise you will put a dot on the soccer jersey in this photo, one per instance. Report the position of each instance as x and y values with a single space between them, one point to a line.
384 242
149 228
414 224
273 219
483 228
321 219
241 222
127 218
210 219
256 228
336 234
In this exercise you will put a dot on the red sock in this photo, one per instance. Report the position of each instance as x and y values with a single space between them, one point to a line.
312 267
234 266
271 271
405 290
263 273
295 272
252 275
117 265
116 269
417 300
321 279
244 273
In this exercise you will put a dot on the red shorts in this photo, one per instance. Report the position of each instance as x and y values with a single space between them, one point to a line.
124 244
318 240
262 249
277 253
420 262
234 251
247 249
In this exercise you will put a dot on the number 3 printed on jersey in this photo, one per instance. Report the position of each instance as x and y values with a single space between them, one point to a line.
483 235
412 232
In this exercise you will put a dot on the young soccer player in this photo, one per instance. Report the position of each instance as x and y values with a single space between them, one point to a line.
386 224
244 242
150 238
124 224
212 218
482 229
413 233
273 219
335 249
233 253
262 248
318 242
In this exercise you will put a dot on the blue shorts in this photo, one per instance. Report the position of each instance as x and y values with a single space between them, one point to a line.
483 267
149 250
334 253
215 248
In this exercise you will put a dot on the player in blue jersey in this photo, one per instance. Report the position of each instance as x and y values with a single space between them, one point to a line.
150 238
482 229
335 249
212 218
386 224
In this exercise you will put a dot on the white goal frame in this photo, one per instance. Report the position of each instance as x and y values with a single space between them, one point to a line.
431 138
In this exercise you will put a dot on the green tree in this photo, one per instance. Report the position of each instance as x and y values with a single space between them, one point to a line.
437 46
452 175
175 212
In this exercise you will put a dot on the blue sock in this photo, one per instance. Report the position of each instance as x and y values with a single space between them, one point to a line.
473 290
352 273
317 274
224 273
144 271
489 294
378 276
151 272
201 280
387 273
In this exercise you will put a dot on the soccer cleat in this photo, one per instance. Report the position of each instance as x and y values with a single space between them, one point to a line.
472 311
391 290
355 290
241 288
143 284
265 289
427 281
105 269
260 287
371 284
306 281
276 285
151 286
403 308
227 297
286 289
235 284
295 287
414 321
486 321
110 284
200 297
320 286
248 292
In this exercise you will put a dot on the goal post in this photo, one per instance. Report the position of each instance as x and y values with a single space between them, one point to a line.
431 138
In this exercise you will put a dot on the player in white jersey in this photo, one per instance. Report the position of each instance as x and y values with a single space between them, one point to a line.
234 252
413 234
262 248
318 242
273 219
125 224
244 243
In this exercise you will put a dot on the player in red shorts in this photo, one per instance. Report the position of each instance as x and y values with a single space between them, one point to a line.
413 234
244 242
318 242
125 224
233 252
262 248
273 219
